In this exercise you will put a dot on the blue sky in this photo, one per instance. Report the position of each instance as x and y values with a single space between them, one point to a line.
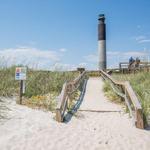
62 34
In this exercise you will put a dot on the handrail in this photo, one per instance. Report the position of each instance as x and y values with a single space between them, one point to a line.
67 89
130 99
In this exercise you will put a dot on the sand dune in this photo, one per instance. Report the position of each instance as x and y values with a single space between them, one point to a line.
30 129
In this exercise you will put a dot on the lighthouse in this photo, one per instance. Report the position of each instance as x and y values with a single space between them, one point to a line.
101 42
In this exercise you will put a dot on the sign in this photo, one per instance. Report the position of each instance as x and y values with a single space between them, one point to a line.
20 73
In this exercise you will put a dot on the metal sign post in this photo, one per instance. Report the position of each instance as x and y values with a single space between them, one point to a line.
20 75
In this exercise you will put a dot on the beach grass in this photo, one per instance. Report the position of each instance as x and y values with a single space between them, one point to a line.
112 96
42 87
141 85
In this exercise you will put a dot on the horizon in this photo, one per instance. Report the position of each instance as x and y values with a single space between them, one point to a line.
53 34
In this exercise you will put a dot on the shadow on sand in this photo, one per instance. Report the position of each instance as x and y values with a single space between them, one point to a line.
148 128
69 114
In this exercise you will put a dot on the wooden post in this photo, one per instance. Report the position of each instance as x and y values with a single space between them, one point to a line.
58 115
120 67
20 92
81 70
139 119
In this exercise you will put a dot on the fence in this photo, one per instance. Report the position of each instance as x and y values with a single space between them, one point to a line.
63 99
125 90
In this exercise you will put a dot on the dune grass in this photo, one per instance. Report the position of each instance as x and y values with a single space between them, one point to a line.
43 82
112 96
8 85
42 87
141 85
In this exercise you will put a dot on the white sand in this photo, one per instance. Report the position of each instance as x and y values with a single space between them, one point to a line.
36 130
95 99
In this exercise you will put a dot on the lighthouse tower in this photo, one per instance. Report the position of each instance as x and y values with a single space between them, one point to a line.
101 43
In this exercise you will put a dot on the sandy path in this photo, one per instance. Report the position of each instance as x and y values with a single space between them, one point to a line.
94 98
36 130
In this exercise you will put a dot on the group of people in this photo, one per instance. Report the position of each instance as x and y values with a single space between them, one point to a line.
133 63
131 60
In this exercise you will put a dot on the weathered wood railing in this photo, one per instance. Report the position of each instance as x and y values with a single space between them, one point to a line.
68 89
126 67
125 90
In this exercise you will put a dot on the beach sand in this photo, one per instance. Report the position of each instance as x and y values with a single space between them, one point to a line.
30 129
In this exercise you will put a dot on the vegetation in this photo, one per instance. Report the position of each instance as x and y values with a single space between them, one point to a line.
111 94
46 102
43 82
94 74
8 85
141 85
42 87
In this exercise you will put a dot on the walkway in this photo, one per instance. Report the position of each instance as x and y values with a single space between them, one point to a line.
33 129
94 98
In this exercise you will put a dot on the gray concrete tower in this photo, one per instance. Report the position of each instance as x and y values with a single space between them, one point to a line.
101 43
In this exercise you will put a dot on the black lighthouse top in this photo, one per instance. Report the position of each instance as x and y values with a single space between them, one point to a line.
101 18
101 27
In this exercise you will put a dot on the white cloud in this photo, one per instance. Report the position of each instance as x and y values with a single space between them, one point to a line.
36 58
127 54
83 64
67 67
63 50
91 58
134 54
114 57
142 39
111 53
32 57
145 41
62 67
114 60
51 60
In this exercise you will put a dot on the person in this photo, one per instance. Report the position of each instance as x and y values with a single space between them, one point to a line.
137 59
137 62
131 60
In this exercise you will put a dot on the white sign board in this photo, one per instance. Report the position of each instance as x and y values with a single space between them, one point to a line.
20 73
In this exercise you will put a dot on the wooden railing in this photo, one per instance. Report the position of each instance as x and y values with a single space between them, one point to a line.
125 90
126 67
63 99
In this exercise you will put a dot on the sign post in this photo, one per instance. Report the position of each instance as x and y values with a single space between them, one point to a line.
20 75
